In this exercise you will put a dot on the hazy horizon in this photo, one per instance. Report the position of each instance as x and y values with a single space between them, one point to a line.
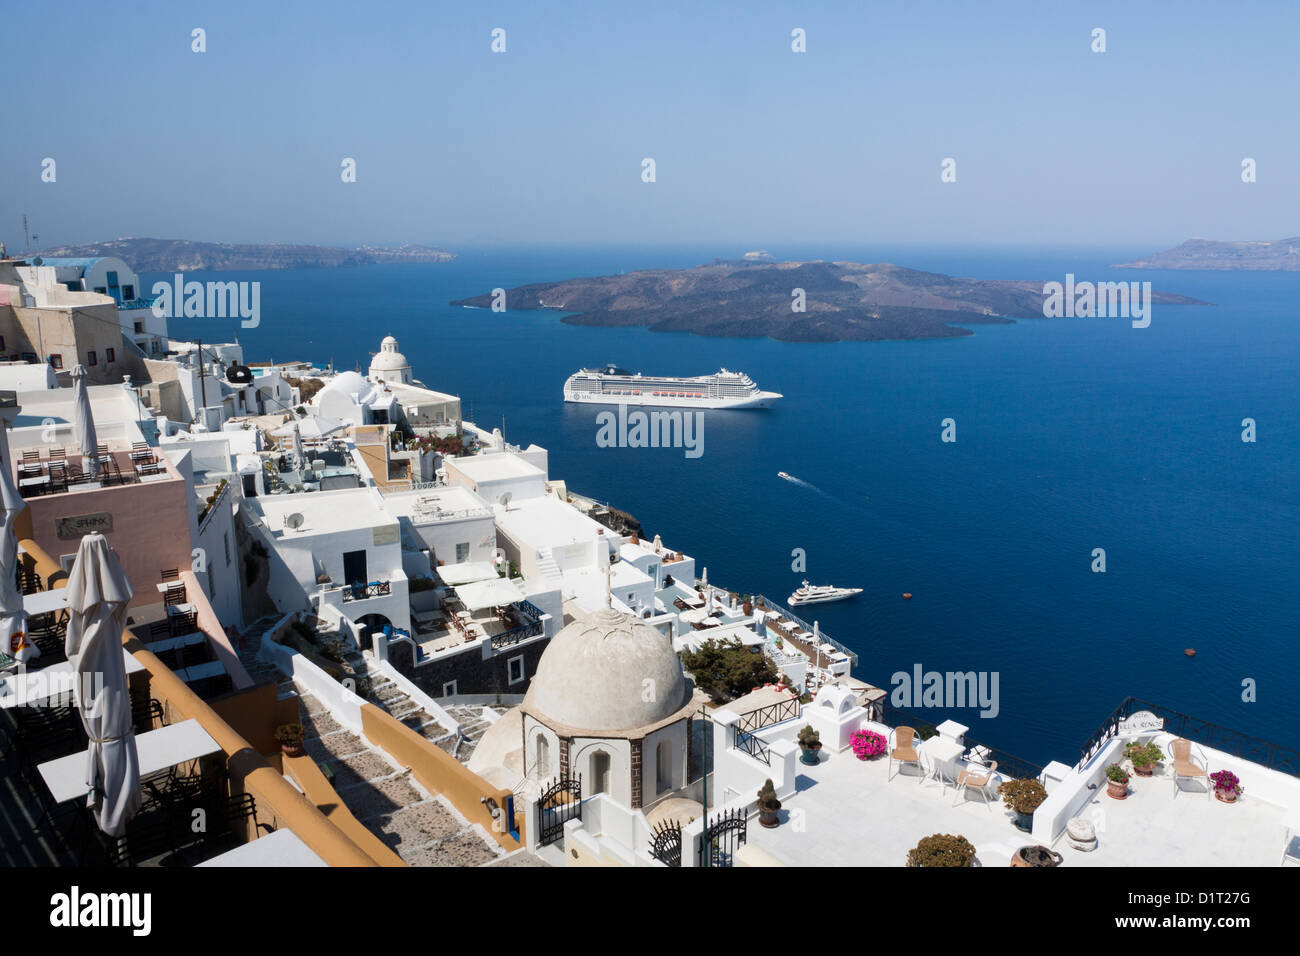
456 146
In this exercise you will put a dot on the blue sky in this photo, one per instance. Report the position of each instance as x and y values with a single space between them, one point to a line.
753 143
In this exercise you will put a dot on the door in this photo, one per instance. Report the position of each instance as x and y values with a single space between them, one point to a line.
354 567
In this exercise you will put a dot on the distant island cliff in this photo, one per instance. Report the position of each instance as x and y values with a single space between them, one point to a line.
1268 255
753 297
185 255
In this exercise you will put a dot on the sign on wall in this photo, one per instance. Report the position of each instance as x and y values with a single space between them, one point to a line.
1142 722
74 526
385 534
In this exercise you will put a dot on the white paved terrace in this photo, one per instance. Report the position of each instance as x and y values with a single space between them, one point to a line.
845 814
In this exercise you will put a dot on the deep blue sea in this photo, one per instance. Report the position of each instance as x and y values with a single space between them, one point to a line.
1072 434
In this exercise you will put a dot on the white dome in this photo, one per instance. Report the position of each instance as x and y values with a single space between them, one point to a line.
388 359
344 383
593 675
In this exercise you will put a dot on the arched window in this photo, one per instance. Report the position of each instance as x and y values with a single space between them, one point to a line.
600 772
664 766
543 768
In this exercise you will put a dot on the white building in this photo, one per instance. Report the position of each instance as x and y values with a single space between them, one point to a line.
340 549
496 475
110 276
390 365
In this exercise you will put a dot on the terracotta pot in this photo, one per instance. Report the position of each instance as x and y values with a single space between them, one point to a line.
768 818
1035 856
291 750
1146 770
1117 790
747 608
1225 796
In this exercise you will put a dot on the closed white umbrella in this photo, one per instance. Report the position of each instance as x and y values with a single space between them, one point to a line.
299 457
13 620
98 595
83 422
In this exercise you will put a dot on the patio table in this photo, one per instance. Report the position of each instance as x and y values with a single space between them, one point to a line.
280 848
39 685
943 754
44 602
158 750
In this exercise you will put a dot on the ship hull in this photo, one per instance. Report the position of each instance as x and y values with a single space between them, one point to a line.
795 602
757 400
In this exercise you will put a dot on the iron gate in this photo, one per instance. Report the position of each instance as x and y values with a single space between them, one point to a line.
666 843
722 837
558 804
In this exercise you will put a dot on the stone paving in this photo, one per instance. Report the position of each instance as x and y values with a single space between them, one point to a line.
423 830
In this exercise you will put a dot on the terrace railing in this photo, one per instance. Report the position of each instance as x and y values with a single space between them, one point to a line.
769 604
1255 749
766 716
532 626
751 745
1008 764
359 592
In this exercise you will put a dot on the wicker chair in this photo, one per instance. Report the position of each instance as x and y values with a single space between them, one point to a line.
1185 768
982 780
904 750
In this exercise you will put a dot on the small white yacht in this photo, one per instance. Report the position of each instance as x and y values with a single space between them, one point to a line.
821 593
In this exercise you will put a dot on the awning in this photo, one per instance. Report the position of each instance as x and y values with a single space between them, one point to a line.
484 594
467 573
312 427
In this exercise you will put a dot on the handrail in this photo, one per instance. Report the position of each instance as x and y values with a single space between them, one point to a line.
750 744
1248 747
769 604
758 717
1008 764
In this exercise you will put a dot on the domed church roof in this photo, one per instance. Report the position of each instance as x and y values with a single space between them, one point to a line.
388 359
611 672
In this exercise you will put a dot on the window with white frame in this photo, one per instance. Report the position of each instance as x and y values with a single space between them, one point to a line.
449 689
515 669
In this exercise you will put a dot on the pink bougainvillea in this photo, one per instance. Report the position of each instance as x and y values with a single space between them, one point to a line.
867 744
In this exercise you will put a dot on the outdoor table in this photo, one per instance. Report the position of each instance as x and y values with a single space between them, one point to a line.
165 586
158 750
39 685
181 609
33 481
171 643
943 754
283 847
44 602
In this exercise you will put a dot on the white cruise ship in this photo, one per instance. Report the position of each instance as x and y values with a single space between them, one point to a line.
821 593
612 385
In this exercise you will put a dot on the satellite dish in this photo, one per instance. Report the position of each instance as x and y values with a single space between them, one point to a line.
505 500
239 375
293 521
38 261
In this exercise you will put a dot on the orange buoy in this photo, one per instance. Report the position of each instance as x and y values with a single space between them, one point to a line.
907 595
1190 652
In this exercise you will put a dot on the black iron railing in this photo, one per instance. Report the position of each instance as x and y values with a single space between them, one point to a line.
771 714
1255 749
1008 764
751 745
516 634
359 592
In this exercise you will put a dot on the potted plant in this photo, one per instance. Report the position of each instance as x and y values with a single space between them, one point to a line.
942 849
1227 787
810 741
1117 782
290 738
867 744
1144 757
1022 797
768 804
